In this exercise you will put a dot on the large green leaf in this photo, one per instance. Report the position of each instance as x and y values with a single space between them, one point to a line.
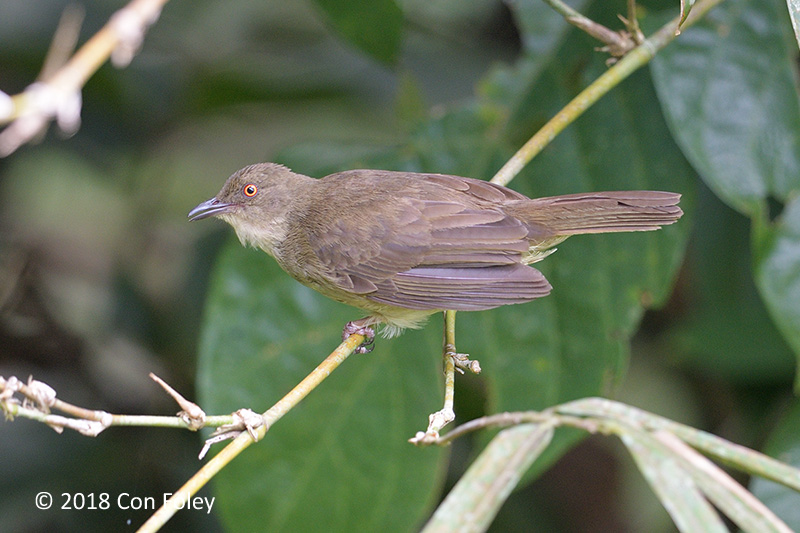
729 91
724 330
573 343
778 272
343 451
728 88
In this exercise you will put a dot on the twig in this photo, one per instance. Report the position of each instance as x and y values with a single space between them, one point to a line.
65 39
39 399
242 439
58 95
453 361
190 412
633 60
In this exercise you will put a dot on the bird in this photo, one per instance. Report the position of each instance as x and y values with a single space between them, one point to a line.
402 246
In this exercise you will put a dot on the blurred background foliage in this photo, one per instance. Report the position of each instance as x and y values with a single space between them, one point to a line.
103 280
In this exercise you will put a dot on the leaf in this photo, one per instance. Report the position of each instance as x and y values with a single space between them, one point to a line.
573 343
745 510
373 26
686 8
482 490
342 451
784 445
720 275
735 455
729 92
675 488
777 271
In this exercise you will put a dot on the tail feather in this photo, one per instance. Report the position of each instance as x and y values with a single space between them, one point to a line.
601 212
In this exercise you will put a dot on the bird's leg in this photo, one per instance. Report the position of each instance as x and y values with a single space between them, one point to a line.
360 327
452 361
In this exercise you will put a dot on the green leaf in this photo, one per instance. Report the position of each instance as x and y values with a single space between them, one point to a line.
727 495
573 343
734 455
784 445
343 451
373 26
729 91
704 339
674 486
686 8
482 490
777 269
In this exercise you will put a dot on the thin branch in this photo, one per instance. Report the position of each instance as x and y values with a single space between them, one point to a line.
635 59
65 39
242 439
453 361
57 96
35 400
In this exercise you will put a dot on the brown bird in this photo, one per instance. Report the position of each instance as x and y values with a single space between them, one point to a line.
402 246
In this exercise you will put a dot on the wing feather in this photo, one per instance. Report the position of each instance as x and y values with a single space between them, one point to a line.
444 243
463 289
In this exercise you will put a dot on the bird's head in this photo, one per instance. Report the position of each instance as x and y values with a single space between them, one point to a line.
255 201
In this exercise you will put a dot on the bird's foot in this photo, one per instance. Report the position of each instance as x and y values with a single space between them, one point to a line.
462 360
356 327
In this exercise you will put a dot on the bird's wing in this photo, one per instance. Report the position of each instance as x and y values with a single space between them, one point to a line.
440 244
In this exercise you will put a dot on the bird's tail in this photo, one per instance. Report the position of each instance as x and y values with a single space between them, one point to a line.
600 212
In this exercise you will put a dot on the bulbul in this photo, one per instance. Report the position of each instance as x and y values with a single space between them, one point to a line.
402 246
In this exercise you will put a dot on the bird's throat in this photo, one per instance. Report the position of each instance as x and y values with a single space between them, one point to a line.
263 234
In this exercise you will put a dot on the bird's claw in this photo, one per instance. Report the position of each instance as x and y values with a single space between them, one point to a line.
354 328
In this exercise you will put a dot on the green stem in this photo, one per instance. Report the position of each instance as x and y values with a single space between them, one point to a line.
243 440
562 8
635 59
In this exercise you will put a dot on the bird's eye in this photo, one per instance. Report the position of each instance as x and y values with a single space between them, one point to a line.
250 190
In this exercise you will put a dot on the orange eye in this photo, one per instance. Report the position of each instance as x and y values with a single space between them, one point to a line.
250 190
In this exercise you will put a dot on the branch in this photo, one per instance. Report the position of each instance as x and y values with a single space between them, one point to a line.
242 439
665 451
633 60
35 400
57 96
243 426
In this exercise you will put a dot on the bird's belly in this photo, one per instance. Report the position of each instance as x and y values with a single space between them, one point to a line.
394 318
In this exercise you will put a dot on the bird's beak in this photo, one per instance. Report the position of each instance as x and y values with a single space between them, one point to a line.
209 208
